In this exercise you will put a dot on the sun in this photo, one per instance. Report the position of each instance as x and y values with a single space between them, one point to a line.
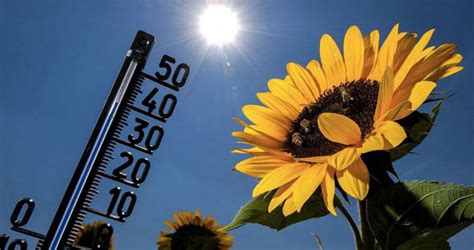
218 24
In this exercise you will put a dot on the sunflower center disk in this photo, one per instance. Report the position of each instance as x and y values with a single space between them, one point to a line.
356 100
194 237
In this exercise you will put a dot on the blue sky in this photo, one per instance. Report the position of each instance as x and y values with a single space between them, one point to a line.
59 60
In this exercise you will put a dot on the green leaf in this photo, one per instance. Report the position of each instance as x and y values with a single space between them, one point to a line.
419 215
417 126
256 211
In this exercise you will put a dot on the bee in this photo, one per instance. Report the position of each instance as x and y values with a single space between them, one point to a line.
297 139
306 125
308 110
334 108
346 98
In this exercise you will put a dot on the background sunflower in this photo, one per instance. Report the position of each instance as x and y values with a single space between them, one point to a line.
95 234
192 231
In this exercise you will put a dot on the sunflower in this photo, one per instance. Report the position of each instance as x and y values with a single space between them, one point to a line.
87 236
192 231
315 124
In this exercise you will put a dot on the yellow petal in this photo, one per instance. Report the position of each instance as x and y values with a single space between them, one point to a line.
373 143
287 92
433 61
401 35
314 159
339 128
392 132
281 194
454 60
318 74
355 180
344 158
255 151
248 151
289 206
311 178
412 58
398 112
424 54
354 53
258 140
443 73
328 189
386 55
332 61
385 94
267 121
209 222
444 55
264 131
265 117
198 213
270 151
404 47
371 44
303 81
259 166
170 225
420 93
279 177
278 105
178 219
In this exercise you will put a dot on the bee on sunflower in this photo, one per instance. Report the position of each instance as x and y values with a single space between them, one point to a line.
317 122
192 231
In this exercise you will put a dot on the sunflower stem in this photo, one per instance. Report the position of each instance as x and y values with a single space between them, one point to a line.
367 237
350 220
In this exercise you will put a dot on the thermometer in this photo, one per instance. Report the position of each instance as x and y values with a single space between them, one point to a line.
129 130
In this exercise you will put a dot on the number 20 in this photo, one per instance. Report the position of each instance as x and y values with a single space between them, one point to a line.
139 164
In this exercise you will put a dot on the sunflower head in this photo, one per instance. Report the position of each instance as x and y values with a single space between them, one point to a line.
315 124
192 231
93 234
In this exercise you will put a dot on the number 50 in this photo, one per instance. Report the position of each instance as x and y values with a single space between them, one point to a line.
180 75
